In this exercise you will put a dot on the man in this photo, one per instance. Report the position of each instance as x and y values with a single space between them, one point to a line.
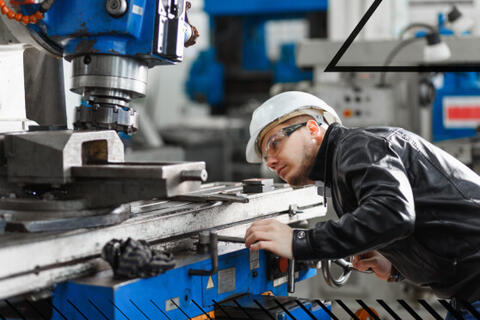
406 208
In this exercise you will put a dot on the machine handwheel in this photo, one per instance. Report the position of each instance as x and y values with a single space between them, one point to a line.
346 264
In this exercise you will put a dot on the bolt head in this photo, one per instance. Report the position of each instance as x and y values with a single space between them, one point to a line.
116 8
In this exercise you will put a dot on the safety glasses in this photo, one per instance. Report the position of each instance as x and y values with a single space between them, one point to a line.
276 141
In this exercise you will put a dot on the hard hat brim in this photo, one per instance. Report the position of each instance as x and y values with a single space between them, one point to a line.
252 153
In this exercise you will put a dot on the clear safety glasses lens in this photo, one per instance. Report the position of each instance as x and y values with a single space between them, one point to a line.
273 145
275 142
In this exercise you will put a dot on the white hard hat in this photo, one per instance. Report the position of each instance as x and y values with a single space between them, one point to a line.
278 108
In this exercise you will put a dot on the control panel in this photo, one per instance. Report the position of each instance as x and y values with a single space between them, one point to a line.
361 106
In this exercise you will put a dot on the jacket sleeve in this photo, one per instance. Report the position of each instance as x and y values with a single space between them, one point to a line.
373 171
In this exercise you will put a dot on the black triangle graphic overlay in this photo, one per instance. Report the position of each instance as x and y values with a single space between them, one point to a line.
332 66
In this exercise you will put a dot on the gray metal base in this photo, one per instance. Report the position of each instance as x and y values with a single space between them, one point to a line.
40 260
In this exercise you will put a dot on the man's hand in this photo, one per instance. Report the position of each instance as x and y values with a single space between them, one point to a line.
374 261
270 235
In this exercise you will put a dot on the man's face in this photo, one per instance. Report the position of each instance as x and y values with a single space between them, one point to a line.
292 156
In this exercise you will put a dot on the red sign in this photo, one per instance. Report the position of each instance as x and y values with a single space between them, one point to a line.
463 113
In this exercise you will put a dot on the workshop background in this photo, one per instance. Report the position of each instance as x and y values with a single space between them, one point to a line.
211 99
249 50
212 82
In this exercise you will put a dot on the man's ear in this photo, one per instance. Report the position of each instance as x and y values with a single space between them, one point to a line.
313 128
316 131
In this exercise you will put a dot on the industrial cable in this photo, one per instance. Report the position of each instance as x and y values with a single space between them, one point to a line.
25 19
395 51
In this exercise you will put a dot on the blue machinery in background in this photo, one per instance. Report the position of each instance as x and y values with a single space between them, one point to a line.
215 76
238 55
178 295
456 108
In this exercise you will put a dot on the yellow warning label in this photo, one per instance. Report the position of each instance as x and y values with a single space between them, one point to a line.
210 283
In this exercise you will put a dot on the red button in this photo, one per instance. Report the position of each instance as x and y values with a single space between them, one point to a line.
283 265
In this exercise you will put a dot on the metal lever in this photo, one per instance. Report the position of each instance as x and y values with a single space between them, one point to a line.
347 266
213 245
343 263
231 239
347 271
291 276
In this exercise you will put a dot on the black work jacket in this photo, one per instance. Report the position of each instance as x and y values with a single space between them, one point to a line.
397 193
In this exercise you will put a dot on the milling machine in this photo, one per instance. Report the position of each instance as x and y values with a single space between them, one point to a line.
65 194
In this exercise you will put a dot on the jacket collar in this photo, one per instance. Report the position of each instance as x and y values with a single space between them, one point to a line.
322 166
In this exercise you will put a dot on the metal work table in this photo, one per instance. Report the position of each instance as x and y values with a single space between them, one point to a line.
38 261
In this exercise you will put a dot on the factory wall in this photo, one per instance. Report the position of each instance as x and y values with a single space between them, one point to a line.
391 16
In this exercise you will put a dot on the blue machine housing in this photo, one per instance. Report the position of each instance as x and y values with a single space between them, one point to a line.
458 84
262 7
286 70
151 298
255 14
205 82
82 27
